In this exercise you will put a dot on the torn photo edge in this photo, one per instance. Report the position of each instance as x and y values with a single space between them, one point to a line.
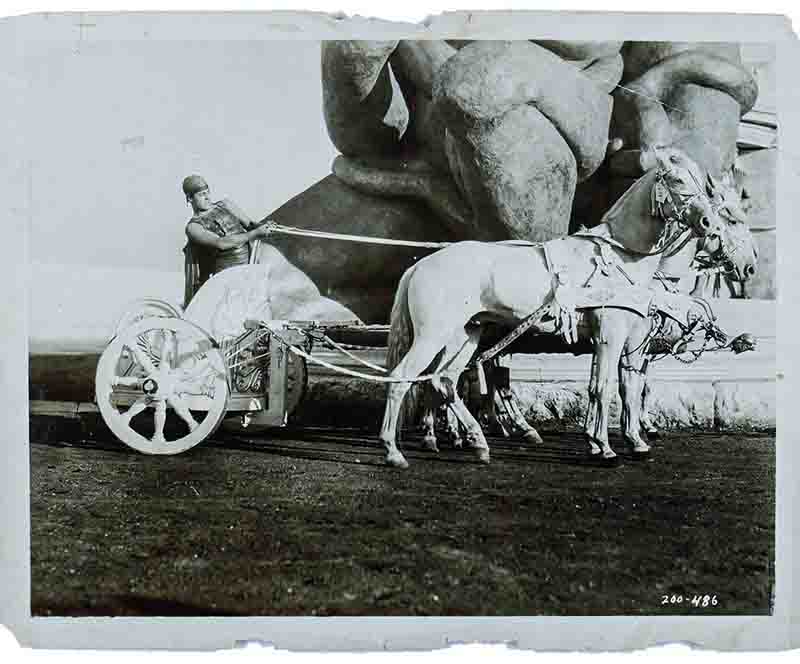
778 631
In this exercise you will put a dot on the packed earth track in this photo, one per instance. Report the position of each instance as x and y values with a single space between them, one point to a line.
310 522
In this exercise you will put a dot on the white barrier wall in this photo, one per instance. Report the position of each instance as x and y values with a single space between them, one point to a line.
720 391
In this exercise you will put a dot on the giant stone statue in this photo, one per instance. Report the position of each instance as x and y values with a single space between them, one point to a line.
448 141
687 94
491 140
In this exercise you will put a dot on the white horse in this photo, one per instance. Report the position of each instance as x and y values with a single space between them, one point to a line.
734 253
441 300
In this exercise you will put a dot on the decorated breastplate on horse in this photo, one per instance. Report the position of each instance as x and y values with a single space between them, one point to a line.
220 221
608 286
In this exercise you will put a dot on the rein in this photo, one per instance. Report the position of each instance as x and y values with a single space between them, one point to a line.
363 239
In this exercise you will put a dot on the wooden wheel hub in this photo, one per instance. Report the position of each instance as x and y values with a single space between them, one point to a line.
150 387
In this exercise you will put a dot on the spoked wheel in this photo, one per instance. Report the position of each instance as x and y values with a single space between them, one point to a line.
297 382
148 307
162 386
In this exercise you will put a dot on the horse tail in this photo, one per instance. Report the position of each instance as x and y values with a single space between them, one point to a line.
401 329
401 336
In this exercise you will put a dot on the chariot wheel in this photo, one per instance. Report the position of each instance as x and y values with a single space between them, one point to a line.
297 382
162 385
148 307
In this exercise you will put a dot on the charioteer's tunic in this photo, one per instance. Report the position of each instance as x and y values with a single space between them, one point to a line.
203 262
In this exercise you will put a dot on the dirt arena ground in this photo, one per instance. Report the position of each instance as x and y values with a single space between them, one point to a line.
310 522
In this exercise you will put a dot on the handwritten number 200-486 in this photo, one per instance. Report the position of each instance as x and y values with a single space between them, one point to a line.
696 600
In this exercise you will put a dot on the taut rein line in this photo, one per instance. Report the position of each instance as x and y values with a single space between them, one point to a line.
363 239
367 239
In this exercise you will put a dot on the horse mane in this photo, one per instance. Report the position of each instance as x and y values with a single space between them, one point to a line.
631 215
645 181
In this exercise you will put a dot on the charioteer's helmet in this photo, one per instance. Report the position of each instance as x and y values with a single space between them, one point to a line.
192 184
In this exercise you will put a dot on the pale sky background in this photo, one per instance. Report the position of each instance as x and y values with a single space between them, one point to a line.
110 131
116 127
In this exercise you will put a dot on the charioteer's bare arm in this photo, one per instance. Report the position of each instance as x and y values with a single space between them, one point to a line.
246 219
196 233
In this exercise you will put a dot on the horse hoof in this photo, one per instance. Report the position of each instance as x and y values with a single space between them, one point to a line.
396 460
532 436
430 444
483 455
655 434
458 443
641 455
610 462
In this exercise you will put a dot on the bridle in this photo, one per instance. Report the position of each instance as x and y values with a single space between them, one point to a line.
680 204
684 201
721 260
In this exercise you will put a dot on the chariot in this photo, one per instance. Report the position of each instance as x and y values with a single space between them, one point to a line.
165 383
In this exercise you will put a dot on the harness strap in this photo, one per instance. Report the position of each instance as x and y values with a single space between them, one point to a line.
667 281
347 372
526 324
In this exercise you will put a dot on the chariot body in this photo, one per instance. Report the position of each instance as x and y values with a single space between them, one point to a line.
170 377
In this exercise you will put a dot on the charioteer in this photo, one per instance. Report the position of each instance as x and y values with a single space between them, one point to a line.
220 235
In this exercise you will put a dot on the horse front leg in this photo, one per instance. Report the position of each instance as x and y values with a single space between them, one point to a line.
645 420
453 427
474 432
610 339
487 412
591 408
507 400
632 377
631 380
456 356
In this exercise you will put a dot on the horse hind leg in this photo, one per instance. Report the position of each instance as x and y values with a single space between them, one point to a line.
419 356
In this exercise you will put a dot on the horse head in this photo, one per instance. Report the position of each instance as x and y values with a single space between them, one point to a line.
678 194
734 249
